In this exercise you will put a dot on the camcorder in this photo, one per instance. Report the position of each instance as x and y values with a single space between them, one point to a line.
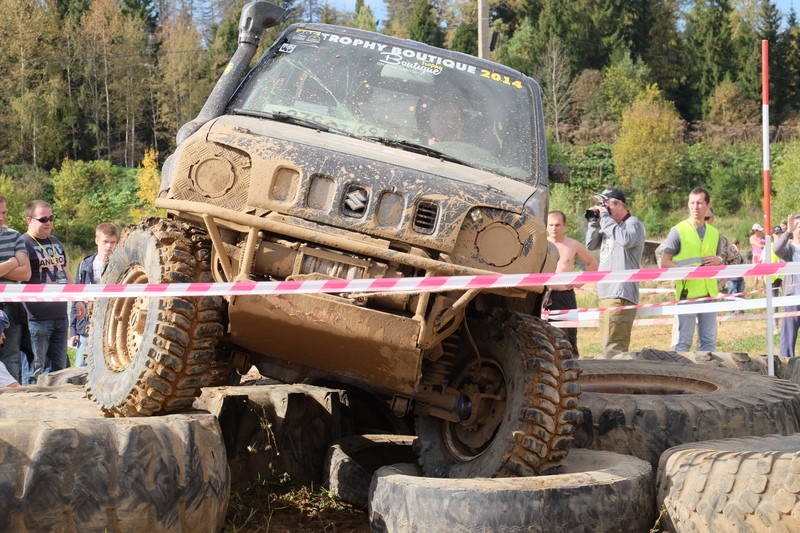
593 213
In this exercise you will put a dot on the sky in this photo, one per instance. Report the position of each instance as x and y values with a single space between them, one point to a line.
783 5
379 8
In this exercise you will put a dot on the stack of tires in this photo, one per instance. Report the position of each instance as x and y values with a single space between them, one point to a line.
709 448
65 467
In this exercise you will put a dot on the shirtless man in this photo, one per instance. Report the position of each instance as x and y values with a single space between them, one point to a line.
563 296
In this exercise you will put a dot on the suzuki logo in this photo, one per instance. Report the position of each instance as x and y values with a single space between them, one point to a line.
356 200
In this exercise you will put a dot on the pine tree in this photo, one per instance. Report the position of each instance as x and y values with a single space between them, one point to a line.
365 19
424 24
465 38
709 46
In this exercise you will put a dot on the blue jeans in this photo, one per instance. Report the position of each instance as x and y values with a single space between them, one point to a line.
789 328
735 285
49 340
706 332
10 351
79 361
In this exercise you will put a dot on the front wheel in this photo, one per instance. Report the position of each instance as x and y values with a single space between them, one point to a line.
152 355
518 377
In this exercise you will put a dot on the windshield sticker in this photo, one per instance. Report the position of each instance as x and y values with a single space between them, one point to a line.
288 48
307 36
413 60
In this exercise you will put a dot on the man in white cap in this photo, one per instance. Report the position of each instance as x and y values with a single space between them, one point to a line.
620 237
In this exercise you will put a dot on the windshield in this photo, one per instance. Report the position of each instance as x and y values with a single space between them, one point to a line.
376 90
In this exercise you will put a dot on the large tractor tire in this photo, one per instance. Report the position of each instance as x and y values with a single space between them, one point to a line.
152 355
66 467
518 382
598 492
749 484
642 408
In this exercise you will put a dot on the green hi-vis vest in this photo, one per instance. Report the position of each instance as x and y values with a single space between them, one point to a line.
773 257
692 247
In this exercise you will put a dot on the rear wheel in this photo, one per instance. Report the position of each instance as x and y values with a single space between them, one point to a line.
517 379
152 355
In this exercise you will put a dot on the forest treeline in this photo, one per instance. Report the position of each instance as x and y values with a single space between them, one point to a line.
655 96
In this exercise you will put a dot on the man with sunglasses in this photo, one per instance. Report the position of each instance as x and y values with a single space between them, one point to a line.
48 321
14 267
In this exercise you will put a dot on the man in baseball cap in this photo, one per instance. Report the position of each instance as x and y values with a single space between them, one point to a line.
619 236
610 192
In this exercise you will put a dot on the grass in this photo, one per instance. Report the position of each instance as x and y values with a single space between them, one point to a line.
277 505
748 336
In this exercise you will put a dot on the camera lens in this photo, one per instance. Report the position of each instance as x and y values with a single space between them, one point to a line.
591 215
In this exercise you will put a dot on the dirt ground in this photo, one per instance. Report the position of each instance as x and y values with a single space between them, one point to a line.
275 508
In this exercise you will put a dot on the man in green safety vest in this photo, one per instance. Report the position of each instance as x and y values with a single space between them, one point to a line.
692 242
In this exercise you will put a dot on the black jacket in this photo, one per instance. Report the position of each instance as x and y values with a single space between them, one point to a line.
85 275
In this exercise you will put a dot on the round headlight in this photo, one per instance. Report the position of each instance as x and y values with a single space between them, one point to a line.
498 244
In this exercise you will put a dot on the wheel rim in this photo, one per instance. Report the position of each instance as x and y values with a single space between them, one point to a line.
485 387
127 318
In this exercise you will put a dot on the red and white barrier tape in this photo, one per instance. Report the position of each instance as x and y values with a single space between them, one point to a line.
553 314
721 317
71 292
573 317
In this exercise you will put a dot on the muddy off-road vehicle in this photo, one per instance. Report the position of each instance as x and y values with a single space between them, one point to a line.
346 154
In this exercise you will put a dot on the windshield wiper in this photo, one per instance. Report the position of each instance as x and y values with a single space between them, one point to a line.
283 117
417 148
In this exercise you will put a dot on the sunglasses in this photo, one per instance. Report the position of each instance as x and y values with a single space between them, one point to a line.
45 220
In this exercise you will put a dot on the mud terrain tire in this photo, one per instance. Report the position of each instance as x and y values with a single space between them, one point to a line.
70 469
643 408
531 370
653 354
749 484
351 462
152 355
599 491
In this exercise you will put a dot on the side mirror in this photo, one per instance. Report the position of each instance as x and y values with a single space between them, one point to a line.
558 173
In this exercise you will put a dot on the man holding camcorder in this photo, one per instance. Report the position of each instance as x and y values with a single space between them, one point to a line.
620 237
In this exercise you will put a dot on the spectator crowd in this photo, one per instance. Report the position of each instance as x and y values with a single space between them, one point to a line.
34 336
619 236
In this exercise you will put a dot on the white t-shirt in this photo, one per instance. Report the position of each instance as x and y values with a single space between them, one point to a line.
6 379
97 269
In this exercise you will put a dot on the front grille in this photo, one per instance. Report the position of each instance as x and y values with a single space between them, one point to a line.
425 217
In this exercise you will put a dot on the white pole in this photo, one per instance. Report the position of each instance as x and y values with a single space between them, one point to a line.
483 29
767 226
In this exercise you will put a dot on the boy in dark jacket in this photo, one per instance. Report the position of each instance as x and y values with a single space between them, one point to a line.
89 271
